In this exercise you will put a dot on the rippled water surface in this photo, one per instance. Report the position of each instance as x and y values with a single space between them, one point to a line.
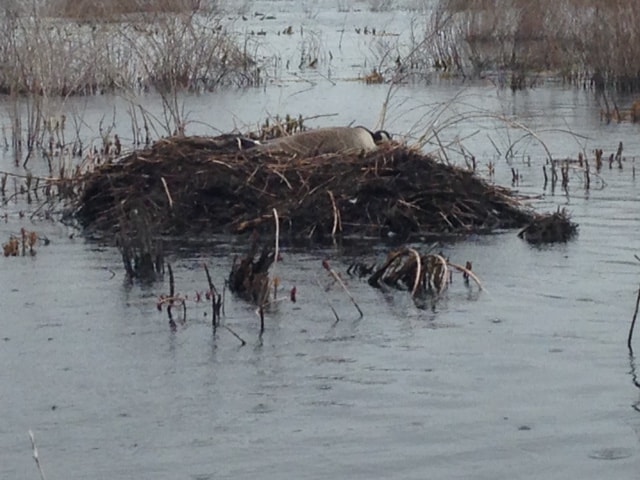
529 378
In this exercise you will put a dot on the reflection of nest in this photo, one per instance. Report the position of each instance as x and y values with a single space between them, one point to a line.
195 184
549 228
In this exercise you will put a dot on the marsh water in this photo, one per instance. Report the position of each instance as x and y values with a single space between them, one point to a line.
529 378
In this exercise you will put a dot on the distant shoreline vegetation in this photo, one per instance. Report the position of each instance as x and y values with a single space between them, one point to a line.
82 47
100 10
588 43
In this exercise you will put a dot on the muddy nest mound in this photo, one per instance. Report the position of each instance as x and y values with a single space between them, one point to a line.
190 185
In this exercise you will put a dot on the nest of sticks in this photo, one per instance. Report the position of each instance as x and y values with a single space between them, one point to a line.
190 185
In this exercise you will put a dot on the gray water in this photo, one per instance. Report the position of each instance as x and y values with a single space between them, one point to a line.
529 378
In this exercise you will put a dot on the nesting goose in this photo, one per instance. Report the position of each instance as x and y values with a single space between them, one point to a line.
326 140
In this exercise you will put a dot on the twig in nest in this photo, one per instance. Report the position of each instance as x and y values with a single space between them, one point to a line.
166 190
332 272
284 179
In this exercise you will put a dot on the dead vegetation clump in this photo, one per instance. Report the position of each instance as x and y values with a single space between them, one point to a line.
549 228
21 245
201 184
421 274
249 276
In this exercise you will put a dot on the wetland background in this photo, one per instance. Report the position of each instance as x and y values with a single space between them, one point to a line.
530 378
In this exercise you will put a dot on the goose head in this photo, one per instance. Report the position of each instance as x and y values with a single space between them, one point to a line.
381 136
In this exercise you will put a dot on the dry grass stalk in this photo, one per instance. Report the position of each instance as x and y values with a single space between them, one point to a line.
416 282
467 273
337 224
333 310
633 322
336 277
276 254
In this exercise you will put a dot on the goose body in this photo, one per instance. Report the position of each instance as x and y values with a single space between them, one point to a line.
325 141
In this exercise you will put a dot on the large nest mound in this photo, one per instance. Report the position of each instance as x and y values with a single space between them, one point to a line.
187 185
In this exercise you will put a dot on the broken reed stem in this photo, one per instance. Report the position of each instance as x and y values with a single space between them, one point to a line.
170 301
224 291
416 281
335 314
337 278
587 178
337 223
261 314
276 253
444 274
215 299
242 341
36 458
468 272
633 323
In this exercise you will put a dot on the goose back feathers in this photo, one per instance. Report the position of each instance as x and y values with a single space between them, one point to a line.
325 141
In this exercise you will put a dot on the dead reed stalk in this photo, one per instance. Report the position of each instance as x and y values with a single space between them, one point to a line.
216 299
633 324
421 274
36 456
336 277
